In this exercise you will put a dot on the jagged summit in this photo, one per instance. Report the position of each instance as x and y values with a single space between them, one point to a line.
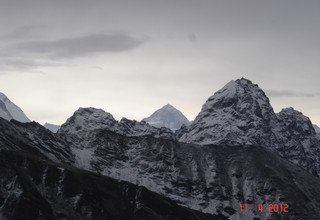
167 116
9 110
87 119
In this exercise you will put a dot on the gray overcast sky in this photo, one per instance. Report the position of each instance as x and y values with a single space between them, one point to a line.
132 57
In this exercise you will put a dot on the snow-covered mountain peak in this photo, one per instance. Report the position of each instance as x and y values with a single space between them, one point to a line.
168 107
238 110
87 119
235 93
240 114
9 110
167 116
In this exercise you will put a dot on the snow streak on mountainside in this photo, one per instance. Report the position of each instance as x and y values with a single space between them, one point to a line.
53 128
316 128
240 113
168 116
9 110
212 179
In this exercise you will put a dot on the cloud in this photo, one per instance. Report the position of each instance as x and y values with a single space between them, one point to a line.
20 54
24 64
23 32
192 37
80 46
288 93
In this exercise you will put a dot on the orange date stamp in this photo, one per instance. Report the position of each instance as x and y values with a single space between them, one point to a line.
270 208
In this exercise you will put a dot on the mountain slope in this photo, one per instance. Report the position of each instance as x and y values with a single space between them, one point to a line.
316 128
38 189
9 110
34 139
167 116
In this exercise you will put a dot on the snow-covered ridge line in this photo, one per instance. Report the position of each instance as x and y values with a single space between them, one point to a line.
85 120
8 110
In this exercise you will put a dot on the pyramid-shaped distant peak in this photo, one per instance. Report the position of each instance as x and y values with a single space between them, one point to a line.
167 116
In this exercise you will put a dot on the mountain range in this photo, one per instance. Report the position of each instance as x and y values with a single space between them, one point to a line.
236 151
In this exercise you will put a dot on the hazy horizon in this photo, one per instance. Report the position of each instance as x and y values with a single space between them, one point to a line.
132 57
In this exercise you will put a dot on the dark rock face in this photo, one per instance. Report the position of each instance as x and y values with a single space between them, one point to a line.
297 141
39 189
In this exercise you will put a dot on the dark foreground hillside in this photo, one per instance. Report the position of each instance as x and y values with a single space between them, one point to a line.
32 188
